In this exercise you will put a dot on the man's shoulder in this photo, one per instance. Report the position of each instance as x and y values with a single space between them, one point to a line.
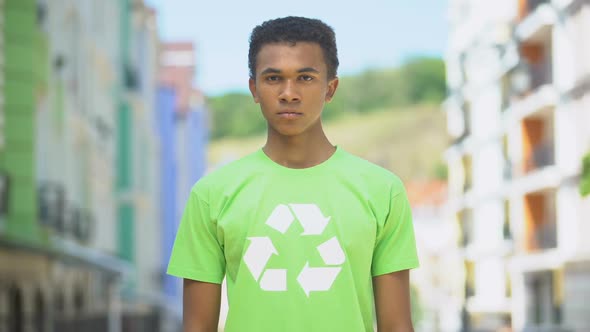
228 172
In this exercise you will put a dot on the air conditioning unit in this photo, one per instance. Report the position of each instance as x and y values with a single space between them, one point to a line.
58 214
82 225
45 198
70 220
53 210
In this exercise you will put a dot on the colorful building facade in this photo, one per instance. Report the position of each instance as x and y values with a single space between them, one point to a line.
183 129
518 112
79 164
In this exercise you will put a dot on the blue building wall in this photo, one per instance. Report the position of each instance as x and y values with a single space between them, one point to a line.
193 128
198 136
166 105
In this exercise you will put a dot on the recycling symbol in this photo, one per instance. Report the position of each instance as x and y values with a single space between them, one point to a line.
311 279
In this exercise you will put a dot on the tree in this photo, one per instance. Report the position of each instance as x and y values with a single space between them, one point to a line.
235 114
418 81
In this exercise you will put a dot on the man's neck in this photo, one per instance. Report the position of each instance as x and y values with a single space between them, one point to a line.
301 151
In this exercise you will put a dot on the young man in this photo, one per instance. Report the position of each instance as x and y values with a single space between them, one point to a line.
309 237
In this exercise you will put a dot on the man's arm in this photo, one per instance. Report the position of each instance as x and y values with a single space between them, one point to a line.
392 302
201 303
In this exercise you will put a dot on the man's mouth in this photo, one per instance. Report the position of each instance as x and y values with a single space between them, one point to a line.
289 115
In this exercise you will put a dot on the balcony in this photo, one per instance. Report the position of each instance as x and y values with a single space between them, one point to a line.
529 76
541 74
544 236
528 90
541 156
537 19
540 221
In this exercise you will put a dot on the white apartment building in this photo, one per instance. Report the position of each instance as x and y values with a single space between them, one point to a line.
437 283
75 153
145 150
518 109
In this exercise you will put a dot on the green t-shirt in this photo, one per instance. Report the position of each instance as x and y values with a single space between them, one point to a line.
299 247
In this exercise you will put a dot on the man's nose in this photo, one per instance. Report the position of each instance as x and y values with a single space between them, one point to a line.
289 92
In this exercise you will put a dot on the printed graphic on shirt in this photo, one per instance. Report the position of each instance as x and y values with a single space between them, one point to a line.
310 278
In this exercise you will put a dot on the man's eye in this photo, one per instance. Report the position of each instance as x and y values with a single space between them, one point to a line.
273 78
306 77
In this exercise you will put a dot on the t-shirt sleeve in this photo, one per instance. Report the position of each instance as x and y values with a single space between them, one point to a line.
197 253
395 248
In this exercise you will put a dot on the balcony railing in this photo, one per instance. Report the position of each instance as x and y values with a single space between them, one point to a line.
541 156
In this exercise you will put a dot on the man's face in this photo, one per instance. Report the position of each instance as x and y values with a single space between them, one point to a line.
291 87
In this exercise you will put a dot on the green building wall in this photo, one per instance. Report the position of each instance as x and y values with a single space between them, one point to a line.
23 80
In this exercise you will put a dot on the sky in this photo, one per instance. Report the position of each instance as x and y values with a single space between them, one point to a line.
369 33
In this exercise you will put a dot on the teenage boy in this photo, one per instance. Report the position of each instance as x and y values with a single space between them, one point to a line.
309 237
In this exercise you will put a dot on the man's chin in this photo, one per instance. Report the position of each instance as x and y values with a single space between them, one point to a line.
287 132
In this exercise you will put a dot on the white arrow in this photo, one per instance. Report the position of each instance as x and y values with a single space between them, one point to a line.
258 254
317 278
274 280
311 218
280 218
331 252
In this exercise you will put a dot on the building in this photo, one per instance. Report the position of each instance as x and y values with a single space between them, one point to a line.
518 74
183 132
58 269
79 191
138 157
437 283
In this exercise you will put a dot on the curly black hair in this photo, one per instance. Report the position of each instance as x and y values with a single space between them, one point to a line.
293 29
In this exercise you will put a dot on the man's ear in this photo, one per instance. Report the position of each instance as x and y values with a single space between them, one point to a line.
252 86
332 86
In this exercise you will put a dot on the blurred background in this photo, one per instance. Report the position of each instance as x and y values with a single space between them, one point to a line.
110 110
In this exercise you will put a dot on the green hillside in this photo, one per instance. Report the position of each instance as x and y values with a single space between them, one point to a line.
416 82
409 142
